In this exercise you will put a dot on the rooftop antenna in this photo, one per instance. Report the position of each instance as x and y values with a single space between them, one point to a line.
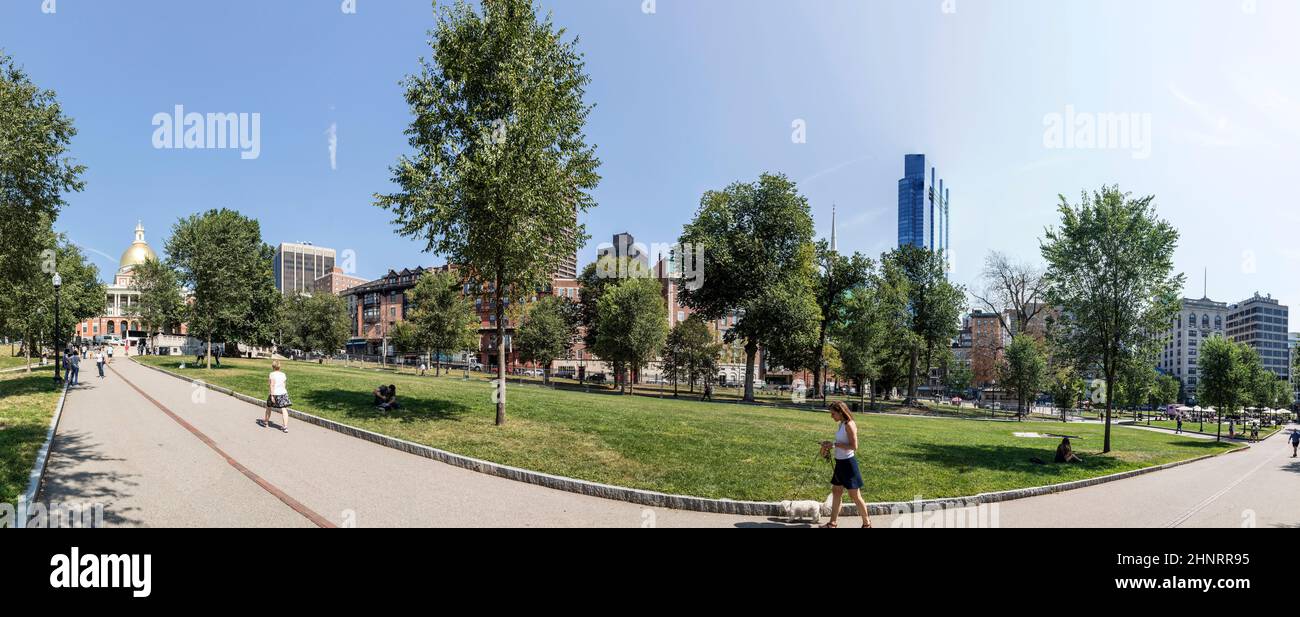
1206 290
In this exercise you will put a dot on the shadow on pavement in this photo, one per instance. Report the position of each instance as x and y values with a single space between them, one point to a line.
62 484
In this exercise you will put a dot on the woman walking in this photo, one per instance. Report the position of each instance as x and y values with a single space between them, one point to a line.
278 398
847 476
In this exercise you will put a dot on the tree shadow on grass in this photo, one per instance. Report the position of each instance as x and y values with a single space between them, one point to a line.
353 404
36 383
1015 459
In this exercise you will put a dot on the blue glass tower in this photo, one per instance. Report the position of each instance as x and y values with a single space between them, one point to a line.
922 206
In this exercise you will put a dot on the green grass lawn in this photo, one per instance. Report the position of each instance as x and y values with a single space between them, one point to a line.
8 360
707 450
26 405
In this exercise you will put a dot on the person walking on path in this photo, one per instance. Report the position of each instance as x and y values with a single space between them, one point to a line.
1180 426
99 361
74 367
1295 442
110 354
278 397
847 476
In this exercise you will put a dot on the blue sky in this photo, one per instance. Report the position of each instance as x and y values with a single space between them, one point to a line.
701 93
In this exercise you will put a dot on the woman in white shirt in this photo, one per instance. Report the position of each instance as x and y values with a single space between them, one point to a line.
847 476
278 398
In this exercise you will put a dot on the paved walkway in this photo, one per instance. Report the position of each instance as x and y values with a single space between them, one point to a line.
116 446
156 451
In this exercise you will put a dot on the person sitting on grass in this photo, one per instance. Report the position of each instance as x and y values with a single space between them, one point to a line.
1065 453
386 398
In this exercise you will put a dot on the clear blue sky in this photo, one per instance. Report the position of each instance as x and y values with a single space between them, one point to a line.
702 93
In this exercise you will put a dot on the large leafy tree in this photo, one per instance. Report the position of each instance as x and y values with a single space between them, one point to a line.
36 173
932 306
1023 370
874 314
1110 272
161 303
29 308
547 332
501 168
634 325
444 319
837 275
1165 391
757 241
220 256
319 323
1225 370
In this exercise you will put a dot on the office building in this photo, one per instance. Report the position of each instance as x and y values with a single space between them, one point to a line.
1197 321
1263 323
922 206
298 265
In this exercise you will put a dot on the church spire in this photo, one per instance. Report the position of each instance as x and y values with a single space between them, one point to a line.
834 247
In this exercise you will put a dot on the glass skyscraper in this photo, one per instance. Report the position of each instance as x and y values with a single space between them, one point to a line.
922 206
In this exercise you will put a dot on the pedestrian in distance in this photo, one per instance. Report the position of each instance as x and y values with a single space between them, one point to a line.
99 362
110 354
847 476
74 367
1180 426
1295 442
277 397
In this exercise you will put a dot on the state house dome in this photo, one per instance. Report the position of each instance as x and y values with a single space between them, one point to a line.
137 253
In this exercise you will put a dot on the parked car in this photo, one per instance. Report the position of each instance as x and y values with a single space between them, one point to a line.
597 378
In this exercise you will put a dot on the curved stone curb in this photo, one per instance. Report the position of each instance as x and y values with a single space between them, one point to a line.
676 502
42 457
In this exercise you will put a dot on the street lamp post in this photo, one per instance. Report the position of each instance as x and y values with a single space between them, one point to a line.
58 349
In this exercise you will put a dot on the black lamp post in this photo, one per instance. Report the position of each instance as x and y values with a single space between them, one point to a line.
58 349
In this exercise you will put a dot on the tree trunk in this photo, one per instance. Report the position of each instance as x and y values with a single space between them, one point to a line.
209 358
751 354
817 364
1110 379
27 355
501 354
911 375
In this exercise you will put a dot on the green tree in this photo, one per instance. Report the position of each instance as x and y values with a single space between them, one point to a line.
547 332
837 275
1225 376
958 378
873 314
161 304
1023 370
1165 391
444 317
932 310
36 173
1110 266
319 323
501 169
29 308
690 353
1066 388
1137 381
220 256
634 325
757 244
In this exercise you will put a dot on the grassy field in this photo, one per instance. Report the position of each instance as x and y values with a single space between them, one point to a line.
708 450
8 360
26 406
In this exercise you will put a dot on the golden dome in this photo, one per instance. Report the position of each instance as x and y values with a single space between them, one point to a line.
138 252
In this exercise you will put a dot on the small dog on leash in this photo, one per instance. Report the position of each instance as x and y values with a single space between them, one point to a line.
802 511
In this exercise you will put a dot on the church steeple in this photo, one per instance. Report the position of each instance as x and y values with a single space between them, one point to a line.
834 248
139 231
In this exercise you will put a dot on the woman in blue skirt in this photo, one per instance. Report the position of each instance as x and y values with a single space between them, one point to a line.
847 476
